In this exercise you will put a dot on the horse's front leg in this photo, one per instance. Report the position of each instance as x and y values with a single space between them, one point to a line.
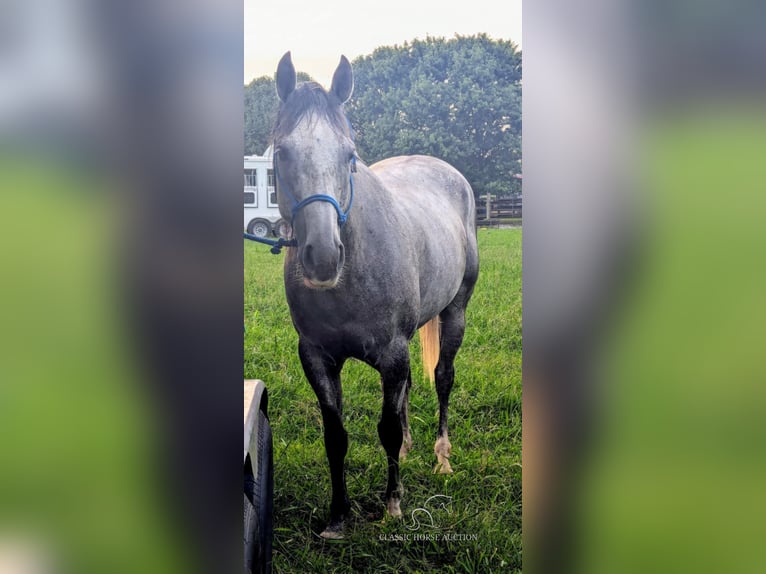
323 373
394 367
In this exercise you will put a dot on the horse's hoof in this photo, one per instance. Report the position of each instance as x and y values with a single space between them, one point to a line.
406 444
393 508
331 535
333 532
442 450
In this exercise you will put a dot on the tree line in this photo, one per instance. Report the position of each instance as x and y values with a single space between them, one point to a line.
457 99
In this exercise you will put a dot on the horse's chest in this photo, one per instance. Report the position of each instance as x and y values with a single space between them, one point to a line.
348 339
350 328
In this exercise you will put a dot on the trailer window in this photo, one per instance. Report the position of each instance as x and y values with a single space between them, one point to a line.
249 198
251 178
271 188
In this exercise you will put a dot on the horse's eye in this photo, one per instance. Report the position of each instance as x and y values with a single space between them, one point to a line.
282 154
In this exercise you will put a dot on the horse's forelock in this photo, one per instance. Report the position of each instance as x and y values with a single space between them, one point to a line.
310 100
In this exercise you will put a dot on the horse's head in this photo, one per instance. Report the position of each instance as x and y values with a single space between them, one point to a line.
314 157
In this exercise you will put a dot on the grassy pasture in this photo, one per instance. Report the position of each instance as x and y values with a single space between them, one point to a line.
475 526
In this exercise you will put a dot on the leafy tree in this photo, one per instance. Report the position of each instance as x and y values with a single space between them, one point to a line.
457 99
261 105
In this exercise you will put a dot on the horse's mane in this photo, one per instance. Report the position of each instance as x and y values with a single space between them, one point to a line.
310 100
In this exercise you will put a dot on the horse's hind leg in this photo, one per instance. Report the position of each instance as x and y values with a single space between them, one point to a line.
452 330
394 367
451 337
324 376
405 419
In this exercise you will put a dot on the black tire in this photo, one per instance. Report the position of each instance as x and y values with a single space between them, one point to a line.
259 504
259 227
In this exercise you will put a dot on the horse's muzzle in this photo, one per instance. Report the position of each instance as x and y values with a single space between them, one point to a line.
322 264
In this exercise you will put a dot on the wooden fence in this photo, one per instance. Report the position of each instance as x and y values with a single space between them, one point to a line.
491 210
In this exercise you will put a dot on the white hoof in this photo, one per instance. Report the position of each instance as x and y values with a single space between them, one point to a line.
406 445
443 467
328 534
443 449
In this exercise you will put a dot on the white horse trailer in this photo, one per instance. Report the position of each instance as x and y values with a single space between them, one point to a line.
261 210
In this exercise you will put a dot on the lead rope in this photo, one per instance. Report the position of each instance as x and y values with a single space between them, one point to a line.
276 244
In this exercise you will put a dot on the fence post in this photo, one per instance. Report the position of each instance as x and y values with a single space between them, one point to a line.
488 207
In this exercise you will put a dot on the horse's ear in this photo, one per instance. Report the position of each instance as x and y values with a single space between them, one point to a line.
286 77
343 80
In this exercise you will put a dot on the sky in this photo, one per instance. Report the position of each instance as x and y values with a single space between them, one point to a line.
317 33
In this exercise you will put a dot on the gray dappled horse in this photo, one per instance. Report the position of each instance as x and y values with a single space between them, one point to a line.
378 253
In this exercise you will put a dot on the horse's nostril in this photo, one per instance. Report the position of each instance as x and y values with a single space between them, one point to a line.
307 253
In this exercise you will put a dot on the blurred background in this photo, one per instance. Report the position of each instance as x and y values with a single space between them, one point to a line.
121 286
121 289
643 287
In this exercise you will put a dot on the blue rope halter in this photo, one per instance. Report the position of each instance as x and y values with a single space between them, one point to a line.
278 244
298 205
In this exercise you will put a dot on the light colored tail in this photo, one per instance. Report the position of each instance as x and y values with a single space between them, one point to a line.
429 344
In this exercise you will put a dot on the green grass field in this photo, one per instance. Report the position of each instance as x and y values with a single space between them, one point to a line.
676 482
78 482
475 526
